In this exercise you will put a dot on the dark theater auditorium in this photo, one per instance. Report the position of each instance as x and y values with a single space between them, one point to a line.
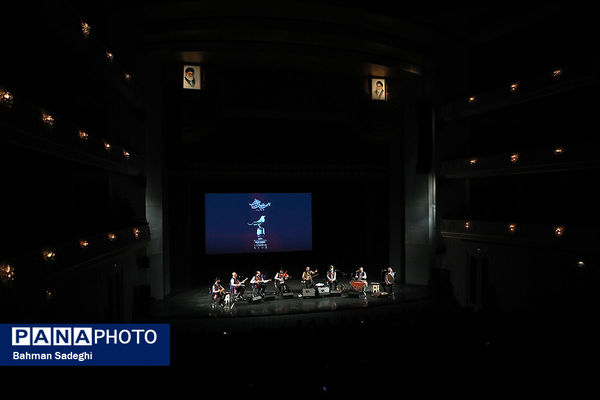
320 198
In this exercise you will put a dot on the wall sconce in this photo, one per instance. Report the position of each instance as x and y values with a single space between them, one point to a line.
136 233
83 135
86 29
472 99
514 157
580 264
7 273
126 154
49 294
111 236
473 161
558 151
559 231
467 225
512 228
514 87
110 56
127 76
6 98
107 146
48 255
557 73
84 244
47 119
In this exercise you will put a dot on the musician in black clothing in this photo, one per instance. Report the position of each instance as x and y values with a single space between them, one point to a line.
332 278
389 280
218 292
280 282
258 284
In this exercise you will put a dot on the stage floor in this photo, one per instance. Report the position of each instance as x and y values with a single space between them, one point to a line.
196 303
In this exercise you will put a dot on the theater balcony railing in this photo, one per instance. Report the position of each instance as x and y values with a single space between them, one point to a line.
36 267
579 239
546 84
21 124
552 159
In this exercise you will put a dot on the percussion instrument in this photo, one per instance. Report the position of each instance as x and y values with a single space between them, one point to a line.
374 287
389 279
358 285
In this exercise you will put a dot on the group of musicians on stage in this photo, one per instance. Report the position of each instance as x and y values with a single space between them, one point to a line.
236 287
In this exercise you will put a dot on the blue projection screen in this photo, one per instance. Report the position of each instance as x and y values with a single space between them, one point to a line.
257 222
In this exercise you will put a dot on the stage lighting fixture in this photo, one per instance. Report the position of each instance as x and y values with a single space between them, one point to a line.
83 135
514 87
107 146
467 225
84 244
47 119
7 273
557 73
48 255
512 228
86 29
136 232
472 99
111 236
126 154
6 98
110 56
558 151
559 231
473 161
514 157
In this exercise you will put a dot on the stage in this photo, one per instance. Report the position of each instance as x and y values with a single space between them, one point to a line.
196 307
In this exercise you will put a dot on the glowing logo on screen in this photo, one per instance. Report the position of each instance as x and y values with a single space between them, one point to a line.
257 205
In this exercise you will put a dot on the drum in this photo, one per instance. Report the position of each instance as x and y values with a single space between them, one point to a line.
358 285
374 287
389 279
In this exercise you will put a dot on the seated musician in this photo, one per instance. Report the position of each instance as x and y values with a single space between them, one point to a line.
307 277
218 292
258 285
280 281
332 278
235 287
389 280
361 276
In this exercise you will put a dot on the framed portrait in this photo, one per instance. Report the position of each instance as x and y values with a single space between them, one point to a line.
378 89
191 77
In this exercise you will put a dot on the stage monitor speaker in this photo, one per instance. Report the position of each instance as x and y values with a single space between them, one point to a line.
323 291
288 295
269 297
335 293
255 299
308 292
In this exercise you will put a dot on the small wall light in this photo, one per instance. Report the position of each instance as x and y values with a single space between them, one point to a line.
47 119
6 98
7 273
48 255
559 231
83 135
558 151
467 225
107 146
86 29
472 99
514 157
136 232
84 244
512 228
111 236
514 87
